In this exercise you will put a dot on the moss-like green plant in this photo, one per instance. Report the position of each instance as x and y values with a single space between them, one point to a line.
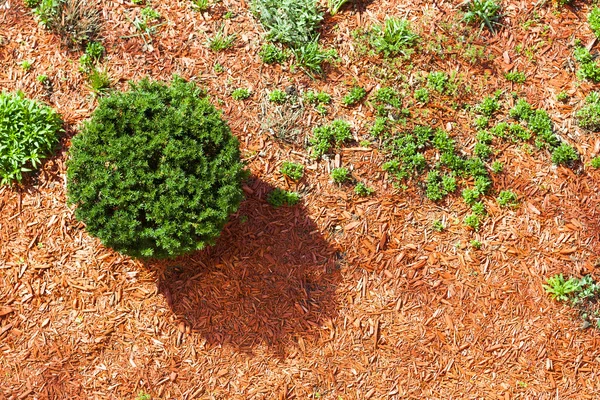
156 171
422 95
279 197
292 170
28 132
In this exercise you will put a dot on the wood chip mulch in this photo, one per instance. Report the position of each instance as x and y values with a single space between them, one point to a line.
340 297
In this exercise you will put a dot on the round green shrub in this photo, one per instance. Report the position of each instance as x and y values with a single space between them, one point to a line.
156 171
28 132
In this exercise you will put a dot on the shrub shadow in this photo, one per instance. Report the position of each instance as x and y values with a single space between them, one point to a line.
270 278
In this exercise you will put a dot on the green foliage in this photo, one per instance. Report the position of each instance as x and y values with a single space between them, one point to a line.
93 54
99 82
438 226
76 21
271 54
31 3
497 167
279 197
479 209
482 122
379 127
594 20
394 37
470 196
563 97
564 154
482 150
561 289
43 79
472 221
507 198
488 106
292 170
28 132
363 190
327 136
595 162
389 96
143 396
310 56
588 117
201 5
438 81
220 41
156 171
334 5
588 68
484 12
521 110
318 97
422 95
439 186
241 94
25 65
340 175
515 76
292 22
277 96
476 244
355 95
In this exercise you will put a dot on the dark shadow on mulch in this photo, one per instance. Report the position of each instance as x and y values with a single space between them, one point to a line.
270 278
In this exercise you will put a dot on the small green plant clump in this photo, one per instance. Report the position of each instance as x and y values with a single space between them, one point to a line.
438 81
327 136
507 198
515 76
201 5
292 170
277 96
221 41
291 22
472 221
594 20
156 171
280 197
588 67
595 162
355 95
476 244
363 190
318 97
271 54
28 132
99 82
311 56
484 12
394 37
340 175
422 95
488 106
438 226
581 293
241 94
588 117
25 65
93 53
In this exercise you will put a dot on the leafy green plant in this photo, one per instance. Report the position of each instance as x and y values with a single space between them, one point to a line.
218 68
476 244
271 54
25 65
363 190
201 5
588 67
327 136
497 167
334 5
355 95
220 41
99 82
241 94
594 20
279 197
564 154
521 110
394 37
340 175
595 162
470 196
588 117
31 3
76 21
563 97
507 198
43 79
488 106
142 395
479 209
422 95
561 289
484 12
28 132
292 170
438 226
93 54
388 96
156 171
292 22
318 97
472 221
482 122
277 96
310 56
437 81
515 76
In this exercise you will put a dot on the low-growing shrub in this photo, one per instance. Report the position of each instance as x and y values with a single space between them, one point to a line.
241 94
28 132
277 96
564 154
156 171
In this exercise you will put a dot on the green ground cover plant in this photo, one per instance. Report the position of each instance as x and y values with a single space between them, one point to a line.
515 76
280 197
507 198
328 136
220 41
363 190
580 293
588 67
394 37
486 13
355 95
241 94
594 20
277 96
311 56
29 131
340 175
156 171
588 116
292 170
291 22
271 54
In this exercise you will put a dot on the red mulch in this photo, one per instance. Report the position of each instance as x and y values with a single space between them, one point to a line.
340 297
